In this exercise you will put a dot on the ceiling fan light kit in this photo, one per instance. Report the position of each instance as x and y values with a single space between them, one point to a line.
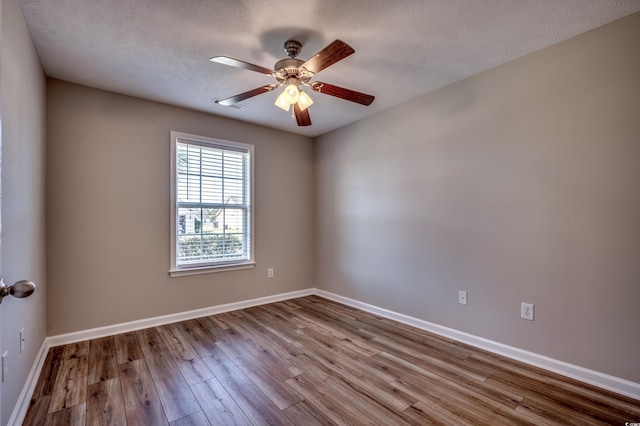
293 73
293 95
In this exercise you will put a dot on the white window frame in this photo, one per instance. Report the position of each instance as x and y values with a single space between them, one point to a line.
175 270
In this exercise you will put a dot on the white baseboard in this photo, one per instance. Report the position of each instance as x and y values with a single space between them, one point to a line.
21 407
605 381
612 383
110 330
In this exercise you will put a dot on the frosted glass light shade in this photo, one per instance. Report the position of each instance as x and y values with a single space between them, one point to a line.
304 101
281 102
291 94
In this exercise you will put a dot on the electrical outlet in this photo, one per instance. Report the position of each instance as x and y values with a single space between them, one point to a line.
462 297
270 273
526 311
23 340
5 365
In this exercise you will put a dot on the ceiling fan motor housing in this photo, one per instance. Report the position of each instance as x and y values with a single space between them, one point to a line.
291 68
286 69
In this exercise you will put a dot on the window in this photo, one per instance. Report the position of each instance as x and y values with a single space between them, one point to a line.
211 213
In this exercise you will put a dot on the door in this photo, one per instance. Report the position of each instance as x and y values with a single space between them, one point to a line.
1 316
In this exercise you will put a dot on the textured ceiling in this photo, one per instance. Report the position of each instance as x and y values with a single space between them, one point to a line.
159 49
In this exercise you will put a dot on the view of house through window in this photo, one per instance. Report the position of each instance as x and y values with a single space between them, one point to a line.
212 201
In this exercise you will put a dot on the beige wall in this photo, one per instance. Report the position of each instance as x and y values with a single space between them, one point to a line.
22 91
521 184
108 210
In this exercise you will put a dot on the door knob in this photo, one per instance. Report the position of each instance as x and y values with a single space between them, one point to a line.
20 289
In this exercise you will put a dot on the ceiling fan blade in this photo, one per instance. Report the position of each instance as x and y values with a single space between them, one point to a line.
328 56
302 116
246 95
225 60
342 93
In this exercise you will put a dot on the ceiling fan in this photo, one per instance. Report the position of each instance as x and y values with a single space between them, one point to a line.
293 73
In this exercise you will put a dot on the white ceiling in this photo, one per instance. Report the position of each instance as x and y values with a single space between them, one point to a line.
159 49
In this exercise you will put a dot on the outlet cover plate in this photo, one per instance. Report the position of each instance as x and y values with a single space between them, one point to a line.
526 311
462 297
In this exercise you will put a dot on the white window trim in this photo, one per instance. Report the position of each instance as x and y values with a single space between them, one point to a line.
174 271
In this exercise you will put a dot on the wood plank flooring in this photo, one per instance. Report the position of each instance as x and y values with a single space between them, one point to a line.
306 361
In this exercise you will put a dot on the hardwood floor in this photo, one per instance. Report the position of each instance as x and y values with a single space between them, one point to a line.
304 361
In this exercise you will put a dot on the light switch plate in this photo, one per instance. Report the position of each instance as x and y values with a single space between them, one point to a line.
5 365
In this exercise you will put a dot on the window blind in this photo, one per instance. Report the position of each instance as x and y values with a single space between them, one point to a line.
212 204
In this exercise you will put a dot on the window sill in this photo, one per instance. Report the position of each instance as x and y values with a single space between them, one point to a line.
211 269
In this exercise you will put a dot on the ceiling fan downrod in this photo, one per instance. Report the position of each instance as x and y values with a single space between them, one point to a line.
292 48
